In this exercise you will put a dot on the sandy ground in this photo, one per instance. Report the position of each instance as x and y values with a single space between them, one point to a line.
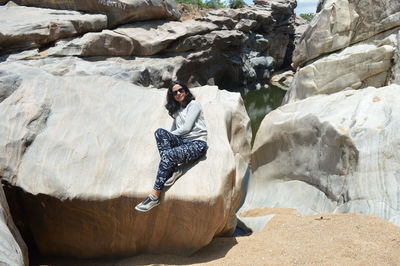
191 11
290 239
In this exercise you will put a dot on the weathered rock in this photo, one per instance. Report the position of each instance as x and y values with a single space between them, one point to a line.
222 40
13 250
226 23
300 27
395 78
41 26
282 80
106 42
344 22
149 39
9 82
334 153
222 48
117 11
76 145
140 39
320 5
355 67
246 25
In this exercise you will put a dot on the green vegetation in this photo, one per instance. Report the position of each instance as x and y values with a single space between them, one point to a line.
307 16
236 4
214 4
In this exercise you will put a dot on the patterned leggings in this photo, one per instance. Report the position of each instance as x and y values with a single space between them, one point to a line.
175 150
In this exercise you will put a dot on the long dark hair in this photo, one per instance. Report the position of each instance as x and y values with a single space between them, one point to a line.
172 105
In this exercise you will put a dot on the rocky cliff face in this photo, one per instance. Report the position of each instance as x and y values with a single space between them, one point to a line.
234 49
348 45
336 151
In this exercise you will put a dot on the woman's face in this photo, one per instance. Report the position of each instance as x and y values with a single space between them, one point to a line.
179 93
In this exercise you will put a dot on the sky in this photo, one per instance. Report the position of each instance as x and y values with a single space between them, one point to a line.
306 6
303 6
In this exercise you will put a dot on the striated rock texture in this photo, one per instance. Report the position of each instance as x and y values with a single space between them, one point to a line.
348 45
355 67
41 26
234 49
341 23
117 11
13 250
83 150
335 153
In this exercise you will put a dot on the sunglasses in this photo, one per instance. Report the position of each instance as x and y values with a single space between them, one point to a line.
181 90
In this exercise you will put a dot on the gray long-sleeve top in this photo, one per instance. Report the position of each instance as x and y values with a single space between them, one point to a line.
189 122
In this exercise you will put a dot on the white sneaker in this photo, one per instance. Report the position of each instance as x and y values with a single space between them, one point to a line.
178 173
148 203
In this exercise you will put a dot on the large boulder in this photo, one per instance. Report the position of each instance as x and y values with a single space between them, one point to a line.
341 23
82 149
355 67
117 11
13 250
330 153
41 26
140 39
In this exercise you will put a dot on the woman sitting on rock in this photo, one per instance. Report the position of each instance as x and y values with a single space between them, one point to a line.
186 142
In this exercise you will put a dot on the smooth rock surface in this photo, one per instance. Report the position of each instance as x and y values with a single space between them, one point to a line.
355 67
344 22
117 11
13 250
83 150
334 153
40 26
106 42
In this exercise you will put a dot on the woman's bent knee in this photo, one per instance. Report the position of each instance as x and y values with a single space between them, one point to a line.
159 132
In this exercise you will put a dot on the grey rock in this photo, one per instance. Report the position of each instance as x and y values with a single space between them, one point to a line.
68 142
221 21
41 26
223 40
13 250
330 153
9 82
355 67
246 25
342 23
117 11
105 42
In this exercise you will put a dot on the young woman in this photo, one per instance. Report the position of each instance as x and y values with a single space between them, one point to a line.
186 142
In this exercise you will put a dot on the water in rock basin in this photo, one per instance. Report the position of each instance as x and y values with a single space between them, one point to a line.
260 102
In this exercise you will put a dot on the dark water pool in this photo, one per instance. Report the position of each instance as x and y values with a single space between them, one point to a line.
260 102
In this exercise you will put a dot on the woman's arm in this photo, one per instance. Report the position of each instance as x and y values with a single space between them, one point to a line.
193 112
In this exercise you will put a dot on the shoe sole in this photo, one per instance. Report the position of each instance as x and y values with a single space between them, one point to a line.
146 210
173 180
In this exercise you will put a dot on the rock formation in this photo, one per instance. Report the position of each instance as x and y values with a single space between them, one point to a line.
347 46
234 49
13 250
117 11
335 151
82 150
77 145
42 26
330 153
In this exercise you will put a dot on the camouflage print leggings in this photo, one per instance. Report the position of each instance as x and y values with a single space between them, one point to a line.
175 150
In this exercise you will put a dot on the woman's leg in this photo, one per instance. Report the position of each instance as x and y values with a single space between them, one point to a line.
189 151
166 140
